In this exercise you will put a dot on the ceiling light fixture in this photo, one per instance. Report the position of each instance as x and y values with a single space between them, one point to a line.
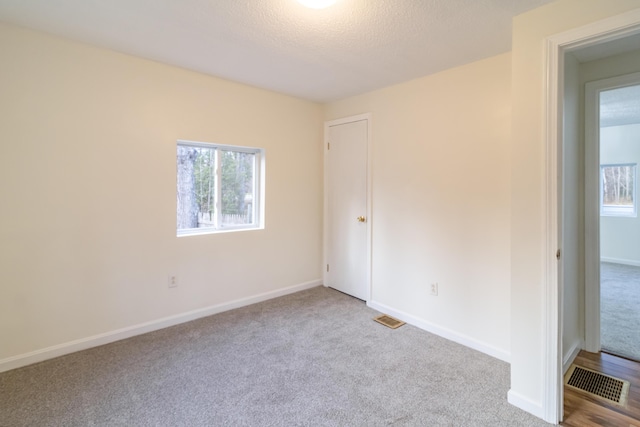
317 4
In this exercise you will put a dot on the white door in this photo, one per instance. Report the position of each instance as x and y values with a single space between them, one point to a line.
346 197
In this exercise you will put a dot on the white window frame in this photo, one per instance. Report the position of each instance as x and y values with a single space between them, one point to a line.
607 210
258 185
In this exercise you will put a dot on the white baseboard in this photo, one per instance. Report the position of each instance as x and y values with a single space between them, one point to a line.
570 355
142 328
621 261
443 332
526 404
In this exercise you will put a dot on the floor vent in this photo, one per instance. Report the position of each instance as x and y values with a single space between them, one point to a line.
389 321
597 384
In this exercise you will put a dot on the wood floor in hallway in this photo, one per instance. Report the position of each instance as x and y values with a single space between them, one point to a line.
582 410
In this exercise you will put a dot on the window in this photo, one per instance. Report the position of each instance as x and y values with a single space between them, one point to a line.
618 190
218 187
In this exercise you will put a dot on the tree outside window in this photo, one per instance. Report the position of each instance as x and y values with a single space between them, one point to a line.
618 190
217 187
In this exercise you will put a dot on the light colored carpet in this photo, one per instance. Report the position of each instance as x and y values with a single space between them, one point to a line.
314 358
620 309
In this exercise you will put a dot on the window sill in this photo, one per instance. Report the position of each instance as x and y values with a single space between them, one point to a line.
206 231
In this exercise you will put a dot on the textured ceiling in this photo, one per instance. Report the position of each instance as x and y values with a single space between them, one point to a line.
620 107
322 55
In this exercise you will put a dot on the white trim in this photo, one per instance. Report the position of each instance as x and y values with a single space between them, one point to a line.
369 209
571 355
223 147
369 213
632 262
525 404
449 334
187 232
605 30
552 344
142 328
592 218
612 28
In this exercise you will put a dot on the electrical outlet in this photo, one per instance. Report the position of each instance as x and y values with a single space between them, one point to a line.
172 281
434 289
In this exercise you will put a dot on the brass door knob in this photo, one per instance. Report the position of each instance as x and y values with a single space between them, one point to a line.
361 219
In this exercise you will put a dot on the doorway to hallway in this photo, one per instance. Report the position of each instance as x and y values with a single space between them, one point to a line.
612 282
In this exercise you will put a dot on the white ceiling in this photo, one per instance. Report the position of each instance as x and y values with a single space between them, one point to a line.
352 47
607 49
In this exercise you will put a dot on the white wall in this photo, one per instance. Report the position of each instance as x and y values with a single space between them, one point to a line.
612 66
87 183
527 183
441 200
619 236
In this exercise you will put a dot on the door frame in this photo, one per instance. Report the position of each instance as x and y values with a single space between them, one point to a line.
609 29
592 202
369 222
